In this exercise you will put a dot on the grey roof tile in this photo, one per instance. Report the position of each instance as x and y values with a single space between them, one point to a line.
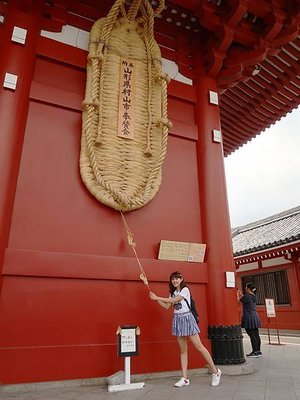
269 232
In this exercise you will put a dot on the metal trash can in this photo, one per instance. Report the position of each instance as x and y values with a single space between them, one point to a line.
227 344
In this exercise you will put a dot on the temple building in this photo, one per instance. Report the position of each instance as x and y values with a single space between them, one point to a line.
267 253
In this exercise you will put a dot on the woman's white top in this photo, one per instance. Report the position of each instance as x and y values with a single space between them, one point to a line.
182 307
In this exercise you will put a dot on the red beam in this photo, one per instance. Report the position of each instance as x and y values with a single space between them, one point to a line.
250 122
241 123
254 104
242 87
248 110
232 134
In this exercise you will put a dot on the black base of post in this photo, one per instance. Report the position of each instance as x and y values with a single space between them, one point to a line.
226 344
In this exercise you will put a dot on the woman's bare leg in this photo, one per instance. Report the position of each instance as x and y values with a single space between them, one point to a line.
195 339
183 354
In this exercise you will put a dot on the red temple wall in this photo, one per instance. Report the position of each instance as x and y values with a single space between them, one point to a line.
69 278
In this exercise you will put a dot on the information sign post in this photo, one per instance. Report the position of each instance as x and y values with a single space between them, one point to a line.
127 347
271 313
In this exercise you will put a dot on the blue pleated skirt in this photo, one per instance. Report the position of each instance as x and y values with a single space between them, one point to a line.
250 322
184 324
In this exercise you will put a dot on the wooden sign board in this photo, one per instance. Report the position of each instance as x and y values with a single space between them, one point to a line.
181 251
270 308
196 252
126 99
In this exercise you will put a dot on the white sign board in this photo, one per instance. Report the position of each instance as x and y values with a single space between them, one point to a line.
230 279
270 308
127 341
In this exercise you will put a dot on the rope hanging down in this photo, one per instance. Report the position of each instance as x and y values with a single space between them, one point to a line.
132 244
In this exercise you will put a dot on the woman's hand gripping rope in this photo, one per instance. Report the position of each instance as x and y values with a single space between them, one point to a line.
153 296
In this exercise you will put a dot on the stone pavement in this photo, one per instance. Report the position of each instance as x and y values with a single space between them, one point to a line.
276 377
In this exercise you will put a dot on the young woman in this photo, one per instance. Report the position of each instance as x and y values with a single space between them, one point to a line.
250 319
184 326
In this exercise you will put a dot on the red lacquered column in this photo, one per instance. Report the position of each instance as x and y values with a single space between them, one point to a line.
224 329
17 59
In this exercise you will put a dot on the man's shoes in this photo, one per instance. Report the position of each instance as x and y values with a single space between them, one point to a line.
216 378
182 382
254 354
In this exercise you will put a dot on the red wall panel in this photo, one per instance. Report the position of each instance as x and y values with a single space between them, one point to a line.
69 274
54 211
65 328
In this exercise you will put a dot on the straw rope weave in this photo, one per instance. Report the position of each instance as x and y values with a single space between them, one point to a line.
121 173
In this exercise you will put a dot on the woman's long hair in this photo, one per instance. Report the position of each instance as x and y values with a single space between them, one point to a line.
176 274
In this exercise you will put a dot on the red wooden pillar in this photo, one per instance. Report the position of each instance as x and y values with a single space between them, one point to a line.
17 59
223 315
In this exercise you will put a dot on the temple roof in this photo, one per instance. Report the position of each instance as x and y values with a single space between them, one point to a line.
274 231
251 48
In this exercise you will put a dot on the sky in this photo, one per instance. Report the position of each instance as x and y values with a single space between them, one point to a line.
263 176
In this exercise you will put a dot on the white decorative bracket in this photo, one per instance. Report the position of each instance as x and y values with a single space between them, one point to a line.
213 97
216 136
10 81
19 35
230 279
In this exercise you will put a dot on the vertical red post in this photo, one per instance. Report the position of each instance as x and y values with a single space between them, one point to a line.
222 300
17 59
